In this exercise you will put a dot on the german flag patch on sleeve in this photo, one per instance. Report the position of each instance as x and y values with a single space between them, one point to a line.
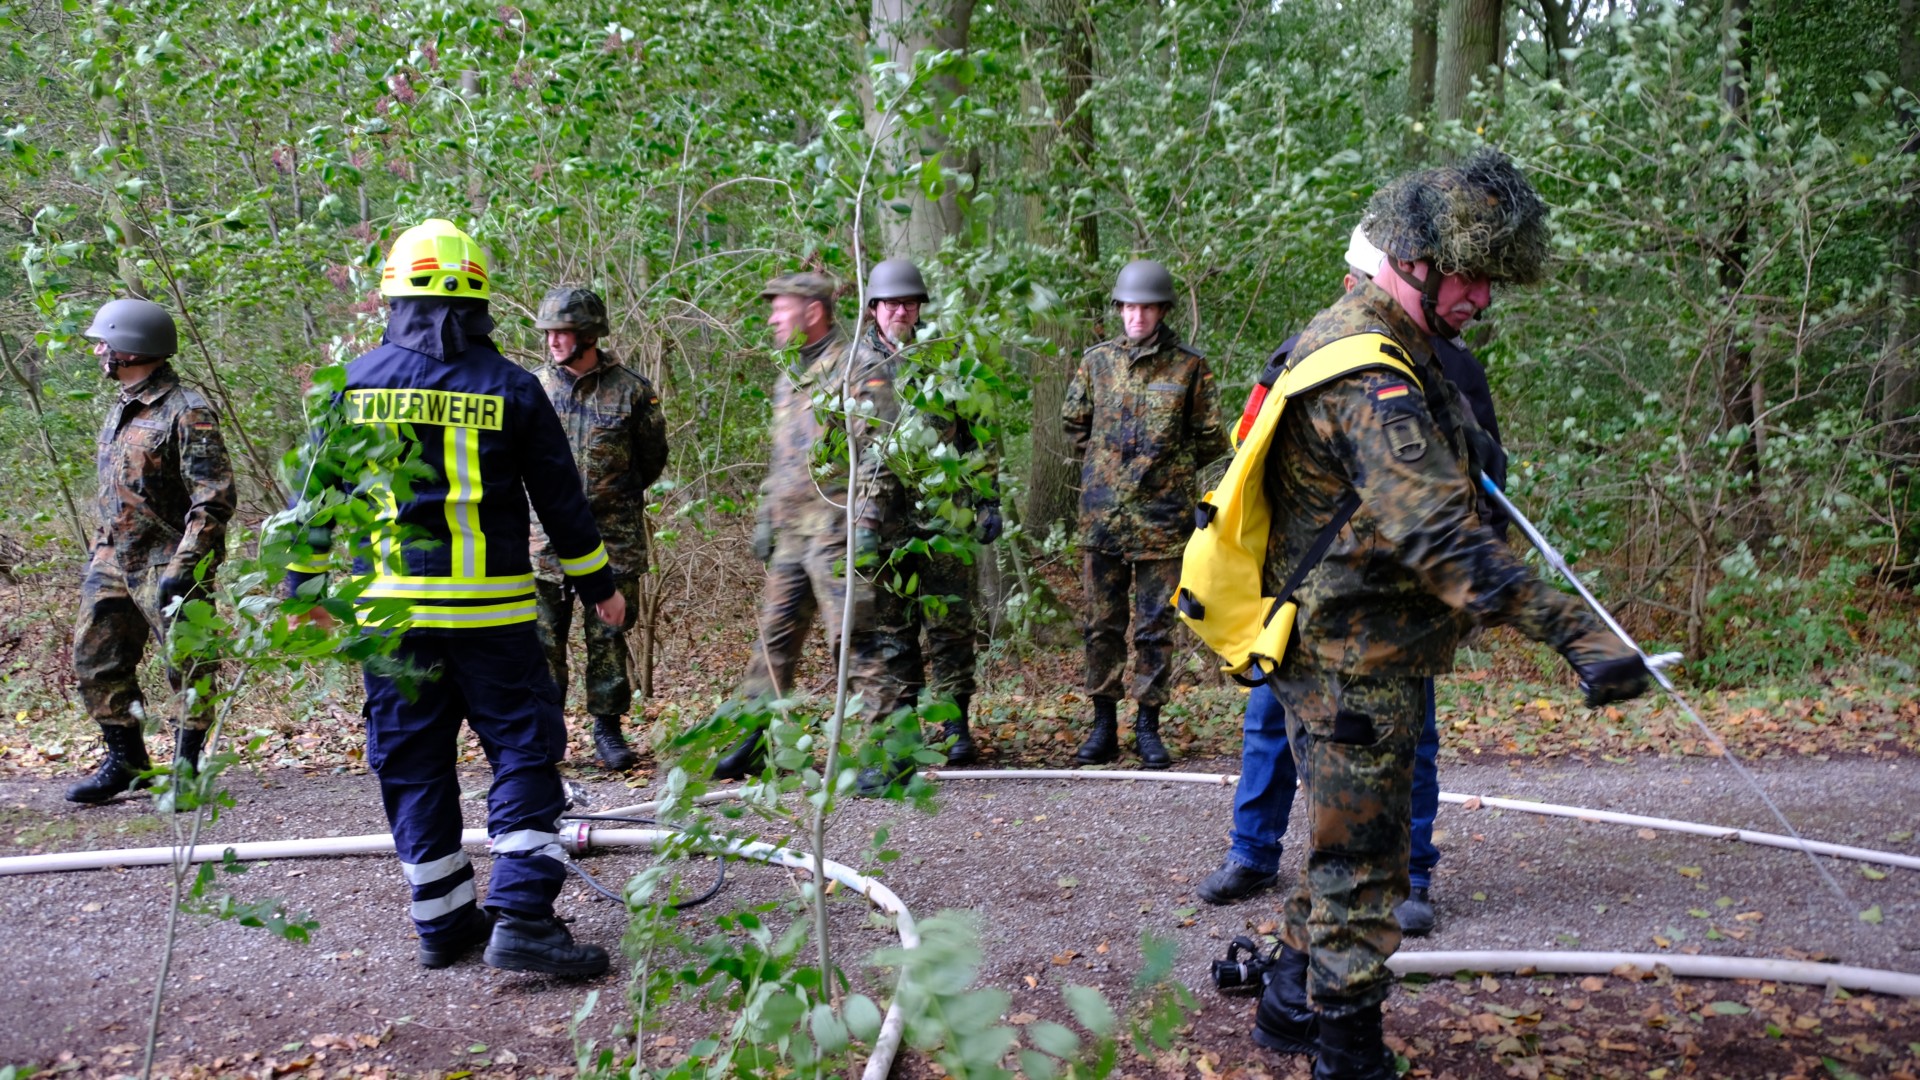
1391 391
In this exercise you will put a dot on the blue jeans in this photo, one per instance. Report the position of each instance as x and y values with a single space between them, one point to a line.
1263 802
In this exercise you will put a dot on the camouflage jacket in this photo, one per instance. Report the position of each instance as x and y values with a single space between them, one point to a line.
805 491
949 473
1415 568
1144 420
166 486
619 438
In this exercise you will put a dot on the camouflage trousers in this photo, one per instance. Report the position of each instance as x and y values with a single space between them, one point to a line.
609 689
947 629
804 579
1110 581
1353 739
120 616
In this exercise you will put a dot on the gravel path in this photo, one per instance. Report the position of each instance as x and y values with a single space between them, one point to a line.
1063 878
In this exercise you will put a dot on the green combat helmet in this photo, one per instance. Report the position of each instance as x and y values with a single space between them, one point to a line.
571 307
1479 219
135 327
896 279
1143 282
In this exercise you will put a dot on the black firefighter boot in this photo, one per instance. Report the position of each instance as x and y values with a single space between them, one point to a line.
126 760
1285 1022
519 943
1103 742
611 744
962 751
1353 1047
743 760
1146 739
187 745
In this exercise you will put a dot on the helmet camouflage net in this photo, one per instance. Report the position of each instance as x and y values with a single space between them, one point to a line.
571 307
1479 218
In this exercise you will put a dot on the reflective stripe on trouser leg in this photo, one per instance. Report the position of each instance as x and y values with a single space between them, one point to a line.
514 708
1352 738
411 747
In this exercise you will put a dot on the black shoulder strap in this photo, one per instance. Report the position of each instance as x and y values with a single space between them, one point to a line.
1342 514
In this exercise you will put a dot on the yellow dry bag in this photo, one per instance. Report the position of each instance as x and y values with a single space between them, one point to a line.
1220 594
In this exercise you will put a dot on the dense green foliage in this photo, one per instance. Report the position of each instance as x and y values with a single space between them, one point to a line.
247 165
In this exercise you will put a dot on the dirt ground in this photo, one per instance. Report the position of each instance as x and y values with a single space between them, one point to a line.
1063 879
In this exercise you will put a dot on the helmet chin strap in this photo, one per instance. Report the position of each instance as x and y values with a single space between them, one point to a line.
1429 297
111 363
579 350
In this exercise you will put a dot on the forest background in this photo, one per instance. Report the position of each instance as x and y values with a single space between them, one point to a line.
1713 404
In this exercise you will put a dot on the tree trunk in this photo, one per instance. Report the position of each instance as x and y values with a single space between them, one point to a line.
900 30
1052 478
1556 33
476 172
1475 42
1740 394
113 127
1426 54
1899 381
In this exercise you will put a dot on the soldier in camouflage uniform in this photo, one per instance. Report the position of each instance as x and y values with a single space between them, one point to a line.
895 294
166 492
619 438
800 533
1144 418
1411 572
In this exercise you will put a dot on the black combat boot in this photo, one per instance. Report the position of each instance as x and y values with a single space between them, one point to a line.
1285 1022
1415 913
611 744
474 929
962 751
1234 882
1103 742
126 760
543 945
1353 1047
745 758
1146 739
187 745
874 782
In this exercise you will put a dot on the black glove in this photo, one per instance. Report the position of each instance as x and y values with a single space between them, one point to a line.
987 524
1607 681
1486 455
763 541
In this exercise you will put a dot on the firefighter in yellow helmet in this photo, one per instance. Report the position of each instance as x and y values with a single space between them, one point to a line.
484 427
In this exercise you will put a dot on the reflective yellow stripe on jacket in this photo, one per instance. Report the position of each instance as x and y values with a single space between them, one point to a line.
585 564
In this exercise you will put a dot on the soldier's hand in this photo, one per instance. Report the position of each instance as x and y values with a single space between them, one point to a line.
1608 669
177 585
763 541
612 610
988 525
